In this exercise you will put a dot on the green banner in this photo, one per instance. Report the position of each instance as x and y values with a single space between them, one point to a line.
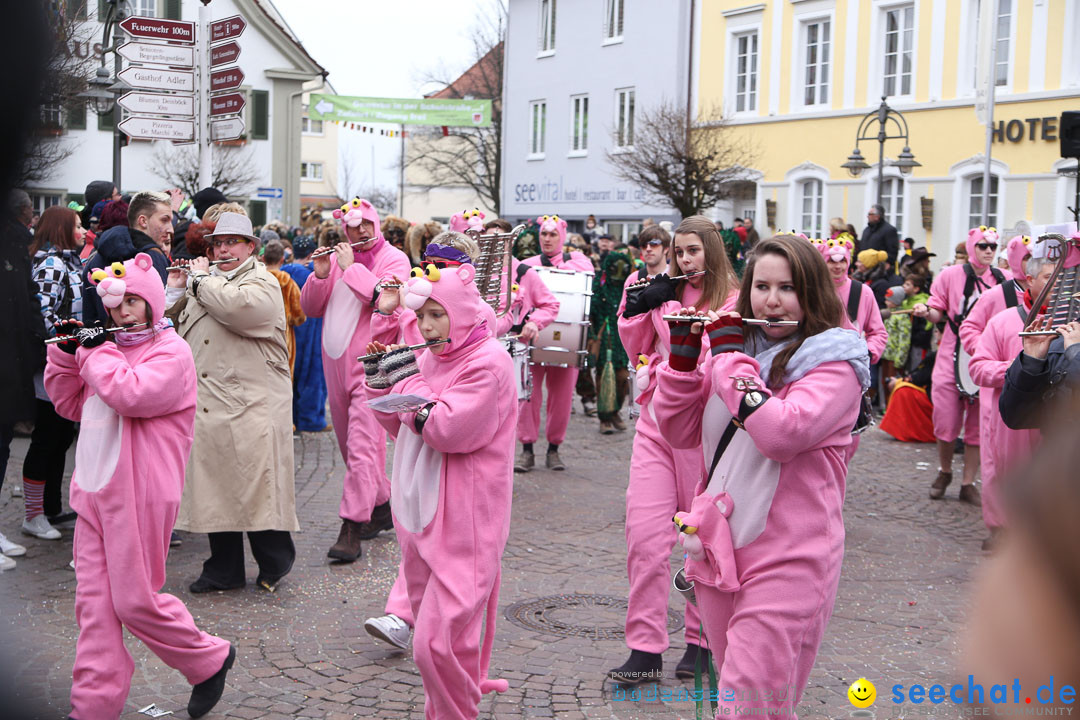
451 113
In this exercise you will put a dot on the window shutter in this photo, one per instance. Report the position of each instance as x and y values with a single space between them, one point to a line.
257 210
76 9
102 10
75 116
260 114
172 9
620 18
108 121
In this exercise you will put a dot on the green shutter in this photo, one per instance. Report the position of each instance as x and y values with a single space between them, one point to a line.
108 121
257 210
75 116
102 10
76 9
260 114
172 9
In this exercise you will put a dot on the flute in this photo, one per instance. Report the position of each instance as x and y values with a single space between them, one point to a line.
322 252
66 338
745 321
421 346
186 268
645 283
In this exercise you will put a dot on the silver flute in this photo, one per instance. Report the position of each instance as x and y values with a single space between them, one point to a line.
745 321
187 268
646 282
322 252
420 346
65 338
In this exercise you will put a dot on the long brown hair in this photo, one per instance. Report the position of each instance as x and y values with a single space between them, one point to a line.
821 306
720 279
56 228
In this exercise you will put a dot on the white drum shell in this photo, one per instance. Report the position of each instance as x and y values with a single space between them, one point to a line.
563 342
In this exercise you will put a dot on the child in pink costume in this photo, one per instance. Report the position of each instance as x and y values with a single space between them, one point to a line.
559 381
345 298
769 532
136 402
868 322
452 471
953 413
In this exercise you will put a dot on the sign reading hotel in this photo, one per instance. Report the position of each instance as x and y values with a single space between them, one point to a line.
425 111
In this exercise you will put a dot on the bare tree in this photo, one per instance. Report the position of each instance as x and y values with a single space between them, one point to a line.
689 175
466 156
383 197
234 171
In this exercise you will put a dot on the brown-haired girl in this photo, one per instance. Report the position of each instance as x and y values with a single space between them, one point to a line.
772 408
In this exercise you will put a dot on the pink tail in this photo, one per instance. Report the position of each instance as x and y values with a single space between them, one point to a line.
488 685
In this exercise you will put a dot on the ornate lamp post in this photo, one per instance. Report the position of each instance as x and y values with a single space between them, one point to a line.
102 92
888 120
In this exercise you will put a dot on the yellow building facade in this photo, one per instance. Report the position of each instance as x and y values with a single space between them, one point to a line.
797 76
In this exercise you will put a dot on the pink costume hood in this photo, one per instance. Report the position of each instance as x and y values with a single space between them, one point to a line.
352 213
454 289
467 220
977 235
137 277
549 223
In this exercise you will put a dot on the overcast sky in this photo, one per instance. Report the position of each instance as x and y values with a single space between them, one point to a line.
383 48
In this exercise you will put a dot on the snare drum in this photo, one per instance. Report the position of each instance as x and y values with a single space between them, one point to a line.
964 383
562 343
520 353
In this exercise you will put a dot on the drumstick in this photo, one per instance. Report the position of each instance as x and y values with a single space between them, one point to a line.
66 338
902 312
745 321
421 346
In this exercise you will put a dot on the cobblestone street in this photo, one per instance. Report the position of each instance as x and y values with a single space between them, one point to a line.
303 652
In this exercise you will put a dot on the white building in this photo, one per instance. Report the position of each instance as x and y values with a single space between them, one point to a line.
277 69
319 159
573 82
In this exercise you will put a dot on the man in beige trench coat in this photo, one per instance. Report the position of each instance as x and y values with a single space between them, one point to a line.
240 475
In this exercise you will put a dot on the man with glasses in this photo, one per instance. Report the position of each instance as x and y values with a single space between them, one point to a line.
879 234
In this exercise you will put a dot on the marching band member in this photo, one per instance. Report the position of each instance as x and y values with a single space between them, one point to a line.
772 409
136 400
344 293
662 476
997 345
560 381
534 307
451 471
952 295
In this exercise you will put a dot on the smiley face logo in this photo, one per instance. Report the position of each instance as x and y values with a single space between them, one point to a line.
862 693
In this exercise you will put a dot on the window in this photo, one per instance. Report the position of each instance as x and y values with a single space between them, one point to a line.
259 117
623 230
51 115
899 40
547 26
44 202
613 20
746 69
538 128
1002 32
816 90
892 198
579 124
811 207
311 171
76 9
144 8
975 205
311 127
624 118
257 211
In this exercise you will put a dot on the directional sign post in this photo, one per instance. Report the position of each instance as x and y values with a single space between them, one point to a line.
226 79
226 29
158 54
177 31
145 128
227 104
151 79
224 54
226 129
158 104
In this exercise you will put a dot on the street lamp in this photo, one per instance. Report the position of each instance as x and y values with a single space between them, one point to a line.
102 93
99 97
883 116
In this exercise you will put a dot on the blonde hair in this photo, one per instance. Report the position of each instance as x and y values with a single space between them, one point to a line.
838 225
214 212
459 241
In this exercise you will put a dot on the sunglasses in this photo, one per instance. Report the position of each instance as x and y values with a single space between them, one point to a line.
442 264
231 242
986 246
654 243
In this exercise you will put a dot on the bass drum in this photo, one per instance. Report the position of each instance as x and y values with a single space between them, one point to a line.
562 343
520 353
964 383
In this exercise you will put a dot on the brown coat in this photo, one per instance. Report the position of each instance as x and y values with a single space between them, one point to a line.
240 474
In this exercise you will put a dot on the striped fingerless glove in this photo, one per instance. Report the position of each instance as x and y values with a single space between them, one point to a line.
725 335
685 348
398 365
373 377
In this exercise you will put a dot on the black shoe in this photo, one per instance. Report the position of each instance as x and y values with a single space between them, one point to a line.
63 519
206 694
381 519
174 540
640 667
269 583
685 668
204 585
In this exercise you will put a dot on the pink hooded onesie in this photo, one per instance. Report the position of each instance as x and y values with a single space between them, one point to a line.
345 299
769 537
452 487
952 413
560 381
532 301
467 220
662 481
135 400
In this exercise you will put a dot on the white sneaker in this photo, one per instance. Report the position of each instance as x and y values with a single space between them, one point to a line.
39 527
6 563
16 491
9 548
389 628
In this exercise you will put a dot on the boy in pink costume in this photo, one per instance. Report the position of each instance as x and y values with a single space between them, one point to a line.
467 220
136 402
953 413
533 304
1003 448
345 293
769 535
452 470
559 381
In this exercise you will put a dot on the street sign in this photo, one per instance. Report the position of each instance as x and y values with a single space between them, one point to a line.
171 30
271 192
158 104
147 128
224 54
226 79
158 54
226 129
150 79
227 104
230 27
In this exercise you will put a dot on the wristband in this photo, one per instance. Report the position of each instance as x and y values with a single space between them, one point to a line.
685 348
421 417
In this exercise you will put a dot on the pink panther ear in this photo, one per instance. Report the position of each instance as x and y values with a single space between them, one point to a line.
562 224
143 261
466 272
975 234
338 214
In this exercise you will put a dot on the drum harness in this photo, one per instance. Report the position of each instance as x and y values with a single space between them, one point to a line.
973 280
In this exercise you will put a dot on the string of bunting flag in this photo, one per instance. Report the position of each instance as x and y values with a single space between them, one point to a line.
382 131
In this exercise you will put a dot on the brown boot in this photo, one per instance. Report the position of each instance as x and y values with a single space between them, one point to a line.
347 547
617 421
970 494
525 462
381 519
937 490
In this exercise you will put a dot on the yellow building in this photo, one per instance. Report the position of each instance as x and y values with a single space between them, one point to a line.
798 75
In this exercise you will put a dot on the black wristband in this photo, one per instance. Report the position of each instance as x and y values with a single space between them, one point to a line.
749 404
421 417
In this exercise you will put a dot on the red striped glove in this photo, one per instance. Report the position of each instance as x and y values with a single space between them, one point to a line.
725 335
685 347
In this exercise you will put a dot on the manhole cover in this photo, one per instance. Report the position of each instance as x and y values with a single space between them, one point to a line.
594 617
